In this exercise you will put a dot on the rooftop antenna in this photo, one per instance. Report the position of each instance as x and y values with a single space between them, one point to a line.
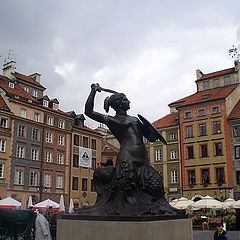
233 53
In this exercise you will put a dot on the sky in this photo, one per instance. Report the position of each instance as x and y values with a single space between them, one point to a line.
149 50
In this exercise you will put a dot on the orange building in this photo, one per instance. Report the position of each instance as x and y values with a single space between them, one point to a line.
204 131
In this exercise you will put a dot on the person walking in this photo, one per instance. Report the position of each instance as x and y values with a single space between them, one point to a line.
220 233
42 231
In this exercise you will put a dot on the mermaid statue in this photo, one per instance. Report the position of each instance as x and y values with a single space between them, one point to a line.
132 187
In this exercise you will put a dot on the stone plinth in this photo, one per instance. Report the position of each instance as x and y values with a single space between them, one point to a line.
73 229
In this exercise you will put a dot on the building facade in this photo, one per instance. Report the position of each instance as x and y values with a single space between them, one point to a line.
166 158
82 189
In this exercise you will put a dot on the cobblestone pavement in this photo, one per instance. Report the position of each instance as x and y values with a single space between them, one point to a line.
208 235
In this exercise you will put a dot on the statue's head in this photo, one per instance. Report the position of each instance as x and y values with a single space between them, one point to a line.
117 101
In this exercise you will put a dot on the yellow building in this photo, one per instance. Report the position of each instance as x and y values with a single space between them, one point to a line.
5 147
166 158
81 184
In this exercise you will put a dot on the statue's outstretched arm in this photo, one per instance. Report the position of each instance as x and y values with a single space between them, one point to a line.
89 105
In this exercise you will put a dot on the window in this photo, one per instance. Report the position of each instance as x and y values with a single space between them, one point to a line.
215 110
174 176
35 93
21 130
217 127
238 177
35 134
173 154
4 123
216 83
173 136
218 149
35 154
92 186
59 181
45 103
204 150
237 152
227 80
47 180
61 140
190 152
85 142
11 85
84 184
191 177
34 179
75 160
23 113
201 112
36 117
48 156
61 124
60 158
18 177
2 145
94 144
205 176
236 131
20 151
206 85
94 163
158 154
189 131
50 120
220 176
76 140
202 129
75 183
55 106
49 137
26 89
188 114
1 170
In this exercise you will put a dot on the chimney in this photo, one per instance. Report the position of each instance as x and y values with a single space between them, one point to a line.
199 74
36 77
9 69
237 65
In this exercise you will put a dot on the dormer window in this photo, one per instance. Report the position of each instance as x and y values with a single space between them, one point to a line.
55 106
11 85
45 103
35 93
26 89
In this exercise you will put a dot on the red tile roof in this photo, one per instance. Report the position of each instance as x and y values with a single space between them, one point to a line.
206 96
108 147
3 105
167 121
17 90
28 79
217 73
235 113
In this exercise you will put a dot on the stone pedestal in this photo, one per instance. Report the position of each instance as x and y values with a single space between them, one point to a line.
74 229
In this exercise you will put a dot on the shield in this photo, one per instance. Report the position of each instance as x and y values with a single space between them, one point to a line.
150 132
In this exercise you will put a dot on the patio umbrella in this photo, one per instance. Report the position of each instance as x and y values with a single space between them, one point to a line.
236 204
228 203
61 204
46 204
9 203
71 210
30 204
207 202
23 202
183 203
173 202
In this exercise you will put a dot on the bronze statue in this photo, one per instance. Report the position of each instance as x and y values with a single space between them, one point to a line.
132 187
